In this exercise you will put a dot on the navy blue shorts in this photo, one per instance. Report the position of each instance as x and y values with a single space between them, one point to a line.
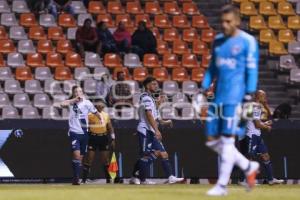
256 145
149 144
79 142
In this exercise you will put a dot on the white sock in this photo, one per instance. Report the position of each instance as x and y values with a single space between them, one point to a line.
227 160
215 145
240 160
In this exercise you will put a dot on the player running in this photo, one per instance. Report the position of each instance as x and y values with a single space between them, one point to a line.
79 108
234 65
101 137
150 138
253 142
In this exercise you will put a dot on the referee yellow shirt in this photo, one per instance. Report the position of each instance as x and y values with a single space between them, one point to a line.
98 126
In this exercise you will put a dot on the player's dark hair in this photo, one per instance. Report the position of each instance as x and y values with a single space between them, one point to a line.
148 80
74 88
230 9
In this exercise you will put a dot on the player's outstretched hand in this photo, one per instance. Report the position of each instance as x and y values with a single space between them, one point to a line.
158 135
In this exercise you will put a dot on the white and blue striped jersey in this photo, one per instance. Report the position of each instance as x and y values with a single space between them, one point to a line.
78 117
250 128
147 103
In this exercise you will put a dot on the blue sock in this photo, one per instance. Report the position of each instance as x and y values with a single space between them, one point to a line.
269 170
144 164
76 165
166 166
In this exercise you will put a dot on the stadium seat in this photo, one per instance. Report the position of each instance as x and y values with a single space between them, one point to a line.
28 20
64 46
266 35
294 22
10 112
3 33
181 21
37 33
248 8
295 75
167 111
134 8
114 7
73 60
47 20
52 87
23 74
287 62
110 23
15 60
34 60
82 73
63 73
257 22
121 69
180 75
30 113
89 86
151 61
65 114
71 33
33 87
82 17
50 112
286 36
127 113
298 8
55 33
285 8
179 98
187 113
92 60
9 19
267 8
42 73
44 46
162 47
190 87
4 100
132 60
180 47
67 86
298 36
12 86
205 60
78 7
277 48
197 75
20 6
170 61
189 35
199 47
160 74
26 46
5 73
125 18
66 20
276 1
171 34
170 87
145 18
4 7
276 22
207 35
140 74
99 72
200 21
54 59
17 33
7 46
190 8
162 21
135 99
2 62
112 60
294 47
96 7
171 8
190 61
152 8
21 100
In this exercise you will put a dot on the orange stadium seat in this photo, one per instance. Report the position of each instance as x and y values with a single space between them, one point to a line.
107 19
63 73
286 36
96 7
115 7
181 21
64 46
208 35
23 74
73 59
199 47
170 61
162 47
190 61
66 20
180 47
2 62
276 1
121 69
28 20
267 8
145 18
35 60
277 48
152 8
151 61
248 8
54 59
285 8
37 33
205 60
160 74
257 22
294 22
134 7
180 75
190 8
266 35
140 74
189 35
126 19
171 34
44 46
171 8
7 46
112 60
184 1
55 33
276 22
162 21
197 75
200 21
256 1
156 33
3 33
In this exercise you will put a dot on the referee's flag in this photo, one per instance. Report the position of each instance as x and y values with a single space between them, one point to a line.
113 166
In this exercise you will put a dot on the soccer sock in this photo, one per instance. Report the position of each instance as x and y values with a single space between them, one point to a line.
135 172
85 172
227 160
106 173
144 164
215 145
240 160
76 164
269 170
166 166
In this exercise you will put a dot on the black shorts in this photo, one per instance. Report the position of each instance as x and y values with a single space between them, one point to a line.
98 142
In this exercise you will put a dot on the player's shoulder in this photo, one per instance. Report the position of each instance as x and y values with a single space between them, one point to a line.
219 36
250 39
145 97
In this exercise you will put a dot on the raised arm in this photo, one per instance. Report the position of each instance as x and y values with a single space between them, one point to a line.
252 66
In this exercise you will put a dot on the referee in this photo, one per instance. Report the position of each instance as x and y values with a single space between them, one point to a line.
101 137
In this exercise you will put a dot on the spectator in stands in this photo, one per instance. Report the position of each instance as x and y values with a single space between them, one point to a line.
57 6
86 38
143 40
103 87
107 42
122 38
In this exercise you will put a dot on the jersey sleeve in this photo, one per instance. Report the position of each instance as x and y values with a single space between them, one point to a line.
147 103
257 113
210 72
252 58
91 108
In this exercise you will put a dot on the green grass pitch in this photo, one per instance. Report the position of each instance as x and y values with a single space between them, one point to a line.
130 192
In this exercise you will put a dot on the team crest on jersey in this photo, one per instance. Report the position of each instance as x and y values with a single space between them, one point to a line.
236 49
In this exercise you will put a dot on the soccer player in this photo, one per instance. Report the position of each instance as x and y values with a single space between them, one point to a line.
253 141
79 108
150 138
101 137
234 66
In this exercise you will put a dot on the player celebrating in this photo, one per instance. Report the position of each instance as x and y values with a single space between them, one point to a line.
150 139
253 141
79 108
234 65
101 136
